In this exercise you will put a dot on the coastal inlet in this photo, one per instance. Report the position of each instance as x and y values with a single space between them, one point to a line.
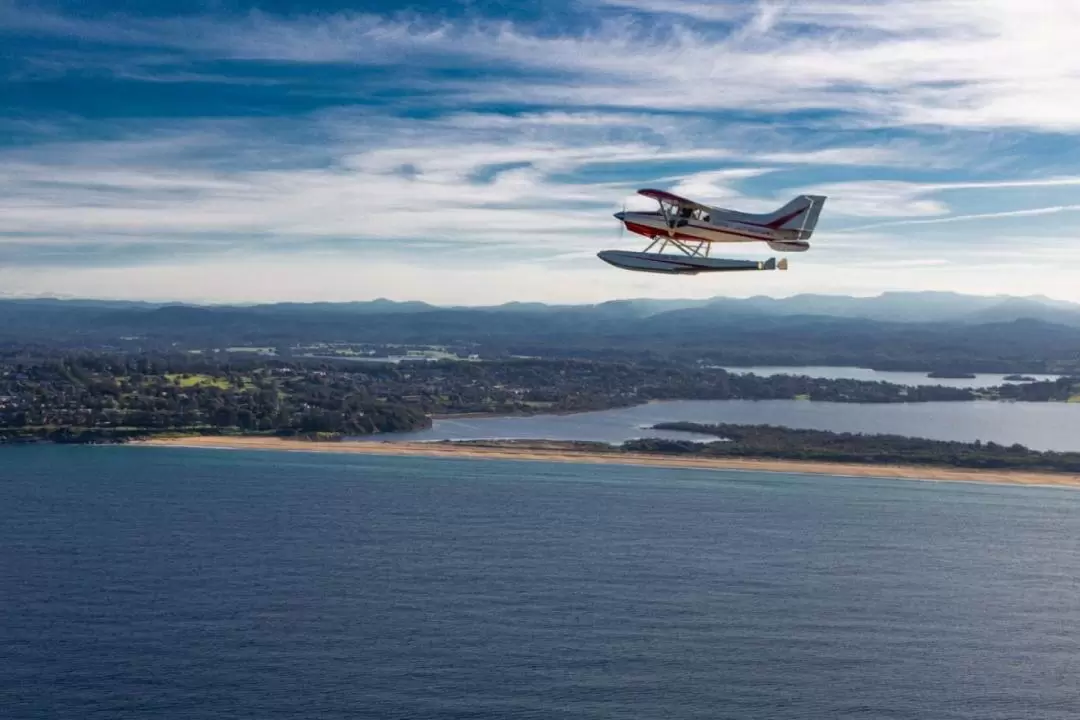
1039 426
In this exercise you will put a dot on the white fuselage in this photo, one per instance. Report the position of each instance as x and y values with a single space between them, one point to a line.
695 230
654 224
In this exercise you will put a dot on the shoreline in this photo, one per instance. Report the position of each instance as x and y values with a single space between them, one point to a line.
544 412
551 451
609 408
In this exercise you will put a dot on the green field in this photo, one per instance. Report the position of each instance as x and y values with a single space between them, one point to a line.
198 380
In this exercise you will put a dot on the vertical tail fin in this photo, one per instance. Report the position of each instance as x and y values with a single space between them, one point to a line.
799 217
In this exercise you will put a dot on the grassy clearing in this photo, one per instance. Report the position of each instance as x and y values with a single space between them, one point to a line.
198 380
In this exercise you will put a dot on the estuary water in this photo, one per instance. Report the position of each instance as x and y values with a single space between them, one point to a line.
981 380
1040 426
160 584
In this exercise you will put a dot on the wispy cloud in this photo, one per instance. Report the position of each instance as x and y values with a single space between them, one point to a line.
957 63
392 143
509 182
1028 212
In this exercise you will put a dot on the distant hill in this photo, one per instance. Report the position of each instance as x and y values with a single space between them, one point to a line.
381 305
913 307
909 307
912 331
1026 308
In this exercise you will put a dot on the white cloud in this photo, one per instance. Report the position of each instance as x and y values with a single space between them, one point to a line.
880 156
146 199
711 12
905 199
876 198
350 276
957 63
1027 212
476 188
448 181
1001 184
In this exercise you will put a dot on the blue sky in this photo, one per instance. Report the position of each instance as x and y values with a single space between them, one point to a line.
474 152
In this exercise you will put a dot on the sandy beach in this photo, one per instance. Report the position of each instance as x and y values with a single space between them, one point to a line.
556 452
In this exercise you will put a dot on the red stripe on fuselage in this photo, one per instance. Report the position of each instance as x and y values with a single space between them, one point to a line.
775 224
651 232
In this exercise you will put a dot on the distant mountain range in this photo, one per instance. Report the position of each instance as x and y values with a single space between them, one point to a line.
900 331
913 307
910 307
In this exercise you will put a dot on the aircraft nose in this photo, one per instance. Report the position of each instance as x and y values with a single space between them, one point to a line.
620 215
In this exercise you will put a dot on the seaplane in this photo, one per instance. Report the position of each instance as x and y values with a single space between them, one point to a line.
691 228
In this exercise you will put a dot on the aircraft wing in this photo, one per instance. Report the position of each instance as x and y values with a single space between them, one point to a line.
672 199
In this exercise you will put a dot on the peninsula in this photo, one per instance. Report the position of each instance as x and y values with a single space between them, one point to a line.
743 447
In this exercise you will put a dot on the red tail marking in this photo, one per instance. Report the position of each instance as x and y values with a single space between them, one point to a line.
775 224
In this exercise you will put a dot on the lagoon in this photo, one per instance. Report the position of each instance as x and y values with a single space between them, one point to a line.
1040 426
981 380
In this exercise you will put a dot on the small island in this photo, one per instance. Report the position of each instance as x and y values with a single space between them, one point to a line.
1020 378
950 375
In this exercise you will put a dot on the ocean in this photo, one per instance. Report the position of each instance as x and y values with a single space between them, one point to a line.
188 584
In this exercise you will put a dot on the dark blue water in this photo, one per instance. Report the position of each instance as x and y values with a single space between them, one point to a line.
148 583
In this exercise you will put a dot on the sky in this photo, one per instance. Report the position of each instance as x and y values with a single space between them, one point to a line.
474 152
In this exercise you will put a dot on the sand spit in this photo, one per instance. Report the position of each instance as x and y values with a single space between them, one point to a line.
562 452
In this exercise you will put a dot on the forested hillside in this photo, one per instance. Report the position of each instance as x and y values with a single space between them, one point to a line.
97 395
710 332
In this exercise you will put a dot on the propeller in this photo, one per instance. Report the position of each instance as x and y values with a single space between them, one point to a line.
622 223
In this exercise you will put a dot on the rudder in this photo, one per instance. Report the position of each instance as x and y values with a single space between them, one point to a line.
799 217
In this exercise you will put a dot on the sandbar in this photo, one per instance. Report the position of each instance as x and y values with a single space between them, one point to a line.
562 452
